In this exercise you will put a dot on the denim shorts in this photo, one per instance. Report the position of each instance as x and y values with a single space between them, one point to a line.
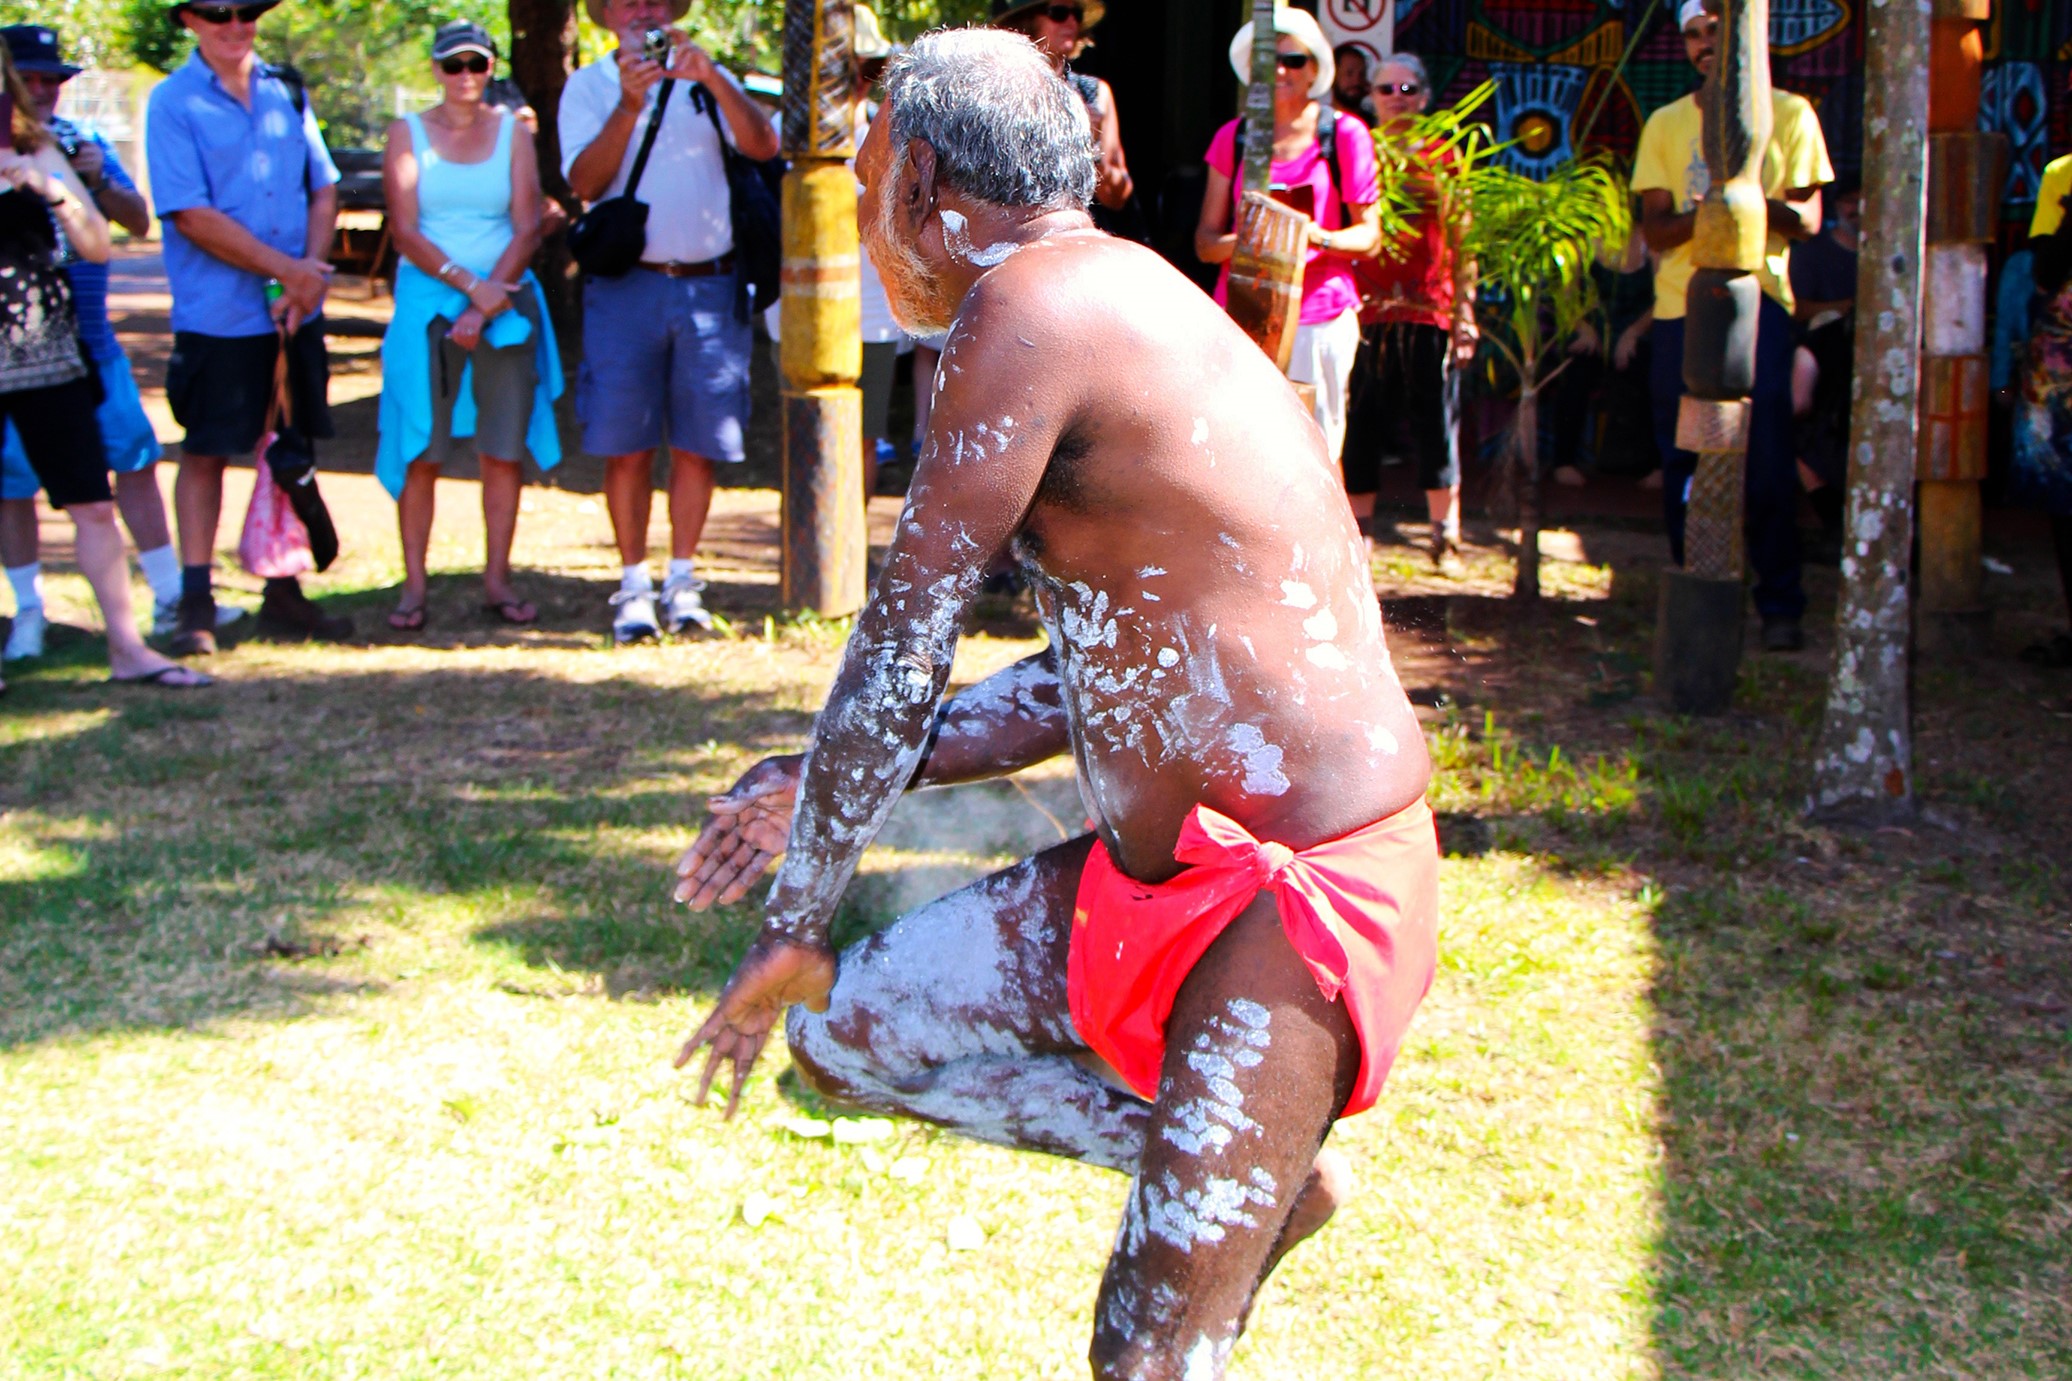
125 432
665 363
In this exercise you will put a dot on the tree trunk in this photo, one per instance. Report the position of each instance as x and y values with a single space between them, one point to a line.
1865 763
1258 150
543 45
1526 458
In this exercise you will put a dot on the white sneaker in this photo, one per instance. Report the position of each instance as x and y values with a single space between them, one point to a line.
635 620
165 616
683 607
26 640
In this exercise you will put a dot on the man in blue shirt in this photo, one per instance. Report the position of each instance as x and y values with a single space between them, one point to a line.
246 190
132 446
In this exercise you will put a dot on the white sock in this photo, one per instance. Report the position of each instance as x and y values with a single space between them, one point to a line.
161 567
28 587
636 578
680 569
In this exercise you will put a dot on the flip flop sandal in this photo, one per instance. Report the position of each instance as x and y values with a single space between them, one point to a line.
410 620
512 611
167 678
2054 655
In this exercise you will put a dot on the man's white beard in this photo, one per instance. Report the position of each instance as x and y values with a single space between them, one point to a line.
914 294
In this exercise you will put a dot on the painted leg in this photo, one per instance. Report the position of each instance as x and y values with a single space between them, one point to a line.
957 1015
1258 1065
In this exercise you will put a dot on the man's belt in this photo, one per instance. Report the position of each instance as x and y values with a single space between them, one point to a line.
707 268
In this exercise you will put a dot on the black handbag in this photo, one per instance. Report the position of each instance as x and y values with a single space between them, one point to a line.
609 239
755 193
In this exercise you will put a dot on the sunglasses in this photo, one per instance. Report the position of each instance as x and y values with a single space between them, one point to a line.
1058 14
1397 88
223 14
473 62
1292 62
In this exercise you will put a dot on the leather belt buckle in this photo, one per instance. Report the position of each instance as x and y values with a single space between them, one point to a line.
706 268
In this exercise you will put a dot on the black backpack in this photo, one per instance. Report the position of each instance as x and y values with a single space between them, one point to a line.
755 187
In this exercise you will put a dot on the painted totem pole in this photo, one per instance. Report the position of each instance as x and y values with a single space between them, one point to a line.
1265 298
1865 762
1966 171
822 347
1698 629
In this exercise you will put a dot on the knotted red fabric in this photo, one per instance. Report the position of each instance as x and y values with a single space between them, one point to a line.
1362 911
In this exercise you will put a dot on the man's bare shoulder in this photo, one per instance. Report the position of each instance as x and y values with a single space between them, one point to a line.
1089 282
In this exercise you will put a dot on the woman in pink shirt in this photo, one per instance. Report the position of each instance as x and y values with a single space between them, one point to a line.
1323 161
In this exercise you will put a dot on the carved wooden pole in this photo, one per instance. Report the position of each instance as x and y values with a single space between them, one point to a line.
825 550
1965 172
1265 298
1866 757
1698 632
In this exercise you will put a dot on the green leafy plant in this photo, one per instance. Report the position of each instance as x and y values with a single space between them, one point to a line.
1529 245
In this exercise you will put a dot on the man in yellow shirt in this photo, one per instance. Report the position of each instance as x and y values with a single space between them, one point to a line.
1670 175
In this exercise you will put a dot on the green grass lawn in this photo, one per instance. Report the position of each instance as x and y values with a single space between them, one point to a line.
336 1008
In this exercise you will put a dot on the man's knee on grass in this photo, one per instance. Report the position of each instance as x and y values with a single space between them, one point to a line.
830 1052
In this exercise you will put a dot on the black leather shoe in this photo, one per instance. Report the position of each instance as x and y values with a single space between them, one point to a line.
288 614
195 633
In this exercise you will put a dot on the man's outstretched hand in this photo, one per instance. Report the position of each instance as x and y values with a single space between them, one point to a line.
774 974
749 827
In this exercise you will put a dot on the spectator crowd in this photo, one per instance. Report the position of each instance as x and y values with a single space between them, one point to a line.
244 190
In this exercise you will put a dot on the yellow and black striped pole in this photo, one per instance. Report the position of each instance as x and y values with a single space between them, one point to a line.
825 545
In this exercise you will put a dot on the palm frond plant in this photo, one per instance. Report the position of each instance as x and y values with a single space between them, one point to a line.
1534 243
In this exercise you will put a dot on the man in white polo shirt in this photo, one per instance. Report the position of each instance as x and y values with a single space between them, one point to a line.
665 351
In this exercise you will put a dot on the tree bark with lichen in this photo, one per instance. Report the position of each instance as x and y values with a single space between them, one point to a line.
1866 758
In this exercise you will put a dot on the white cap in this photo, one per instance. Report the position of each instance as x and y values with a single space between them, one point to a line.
1689 10
1300 25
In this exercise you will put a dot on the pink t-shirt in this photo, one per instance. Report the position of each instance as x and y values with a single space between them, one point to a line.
1328 289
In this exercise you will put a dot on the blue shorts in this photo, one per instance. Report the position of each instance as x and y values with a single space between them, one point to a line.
665 363
125 431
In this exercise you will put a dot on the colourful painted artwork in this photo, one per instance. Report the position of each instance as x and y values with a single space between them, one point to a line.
1586 73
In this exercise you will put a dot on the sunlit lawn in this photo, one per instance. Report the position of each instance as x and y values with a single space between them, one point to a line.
336 1009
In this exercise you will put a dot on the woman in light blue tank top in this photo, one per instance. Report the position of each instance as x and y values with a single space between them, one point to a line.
470 351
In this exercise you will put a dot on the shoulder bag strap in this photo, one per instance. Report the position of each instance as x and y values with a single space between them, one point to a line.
279 410
647 141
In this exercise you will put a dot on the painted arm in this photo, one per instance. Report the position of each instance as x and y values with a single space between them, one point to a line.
978 473
1013 719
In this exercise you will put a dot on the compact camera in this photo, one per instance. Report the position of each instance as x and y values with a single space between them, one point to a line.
656 43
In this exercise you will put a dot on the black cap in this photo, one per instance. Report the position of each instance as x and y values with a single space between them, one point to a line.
462 36
34 48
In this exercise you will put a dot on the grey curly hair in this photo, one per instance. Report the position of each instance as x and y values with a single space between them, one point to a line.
1005 127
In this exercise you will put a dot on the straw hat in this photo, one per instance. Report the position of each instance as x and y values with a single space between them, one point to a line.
677 10
1008 9
1299 25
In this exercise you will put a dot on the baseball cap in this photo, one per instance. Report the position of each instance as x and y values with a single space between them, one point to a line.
462 36
34 48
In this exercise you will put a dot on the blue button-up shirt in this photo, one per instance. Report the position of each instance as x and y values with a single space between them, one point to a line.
256 166
89 280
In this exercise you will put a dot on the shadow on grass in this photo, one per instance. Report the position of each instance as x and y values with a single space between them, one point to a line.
167 846
1861 1040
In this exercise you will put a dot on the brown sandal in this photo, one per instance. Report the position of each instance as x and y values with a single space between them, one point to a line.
410 620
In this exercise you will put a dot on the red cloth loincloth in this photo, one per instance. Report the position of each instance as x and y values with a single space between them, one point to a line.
1362 911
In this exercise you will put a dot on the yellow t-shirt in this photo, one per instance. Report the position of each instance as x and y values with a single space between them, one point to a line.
1671 158
2057 181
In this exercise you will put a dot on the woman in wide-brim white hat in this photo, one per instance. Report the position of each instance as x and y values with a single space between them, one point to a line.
1337 188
